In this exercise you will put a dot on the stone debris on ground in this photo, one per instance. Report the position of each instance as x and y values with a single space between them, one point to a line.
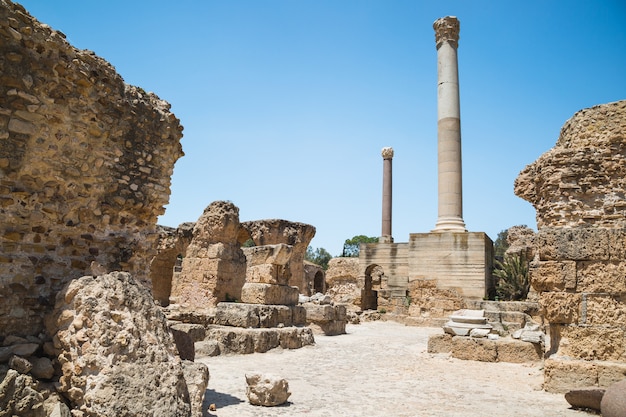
382 369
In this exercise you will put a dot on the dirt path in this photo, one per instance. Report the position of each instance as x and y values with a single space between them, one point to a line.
382 369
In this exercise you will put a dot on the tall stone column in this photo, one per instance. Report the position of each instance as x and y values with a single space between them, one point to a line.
386 237
450 206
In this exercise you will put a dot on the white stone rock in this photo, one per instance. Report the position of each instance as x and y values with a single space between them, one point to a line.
479 332
267 390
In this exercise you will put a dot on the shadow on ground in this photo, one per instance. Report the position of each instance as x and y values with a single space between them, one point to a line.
220 400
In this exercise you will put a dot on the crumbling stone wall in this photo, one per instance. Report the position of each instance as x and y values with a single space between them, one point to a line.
578 189
171 249
276 231
85 166
214 266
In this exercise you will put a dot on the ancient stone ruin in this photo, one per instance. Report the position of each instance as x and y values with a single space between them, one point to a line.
230 294
577 189
85 166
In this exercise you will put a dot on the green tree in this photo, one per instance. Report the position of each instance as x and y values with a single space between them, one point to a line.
318 256
501 245
351 247
513 280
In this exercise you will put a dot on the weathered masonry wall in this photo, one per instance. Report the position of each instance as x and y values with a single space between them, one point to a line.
85 166
578 189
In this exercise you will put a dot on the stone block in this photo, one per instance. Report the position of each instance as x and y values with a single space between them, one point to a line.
603 310
195 331
553 275
514 317
184 344
561 375
258 315
560 307
610 372
591 343
278 254
207 348
319 313
601 277
440 343
244 341
468 348
578 244
330 328
267 274
516 351
256 293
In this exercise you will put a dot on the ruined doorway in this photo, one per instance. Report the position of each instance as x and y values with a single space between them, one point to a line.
318 282
369 292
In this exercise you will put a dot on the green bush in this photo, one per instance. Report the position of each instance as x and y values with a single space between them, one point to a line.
513 281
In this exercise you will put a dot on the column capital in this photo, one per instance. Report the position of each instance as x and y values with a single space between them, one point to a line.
447 30
387 153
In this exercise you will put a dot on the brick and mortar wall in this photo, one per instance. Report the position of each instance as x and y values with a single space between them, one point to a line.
578 189
85 166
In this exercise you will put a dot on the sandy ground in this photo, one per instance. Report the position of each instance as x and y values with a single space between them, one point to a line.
382 369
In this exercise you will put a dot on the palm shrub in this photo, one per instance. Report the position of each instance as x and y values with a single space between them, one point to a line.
513 279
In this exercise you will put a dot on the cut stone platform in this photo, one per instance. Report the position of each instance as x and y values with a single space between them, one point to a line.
221 340
486 350
259 315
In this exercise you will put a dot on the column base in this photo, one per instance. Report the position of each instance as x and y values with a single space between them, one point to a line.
385 239
449 224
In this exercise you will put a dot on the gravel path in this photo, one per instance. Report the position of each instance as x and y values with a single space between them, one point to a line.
382 369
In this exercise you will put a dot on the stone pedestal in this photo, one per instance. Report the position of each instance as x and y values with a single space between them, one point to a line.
460 262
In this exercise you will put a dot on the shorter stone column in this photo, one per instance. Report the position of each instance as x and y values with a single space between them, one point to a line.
385 236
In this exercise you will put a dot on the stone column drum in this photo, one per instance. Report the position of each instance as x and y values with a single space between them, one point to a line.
450 207
385 236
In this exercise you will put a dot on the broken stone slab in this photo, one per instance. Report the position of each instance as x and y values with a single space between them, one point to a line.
266 389
469 316
533 337
463 329
585 398
479 332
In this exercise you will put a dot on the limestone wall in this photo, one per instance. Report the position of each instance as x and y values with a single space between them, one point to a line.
85 166
276 231
578 189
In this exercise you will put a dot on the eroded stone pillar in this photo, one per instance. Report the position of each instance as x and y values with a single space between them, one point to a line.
450 207
385 236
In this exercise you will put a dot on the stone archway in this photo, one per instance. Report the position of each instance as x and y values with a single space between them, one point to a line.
369 292
319 284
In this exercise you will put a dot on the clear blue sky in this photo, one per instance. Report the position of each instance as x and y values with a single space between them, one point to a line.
287 104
